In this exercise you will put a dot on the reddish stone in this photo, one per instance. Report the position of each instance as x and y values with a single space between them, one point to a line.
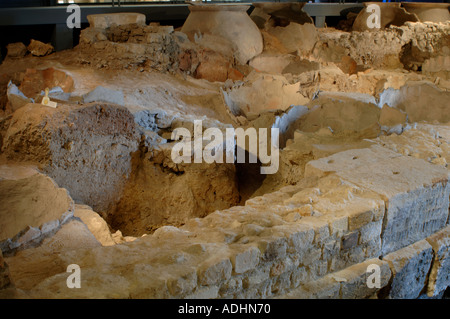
34 81
213 66
185 61
235 75
348 65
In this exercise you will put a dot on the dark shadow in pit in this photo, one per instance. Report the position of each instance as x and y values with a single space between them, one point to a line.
249 178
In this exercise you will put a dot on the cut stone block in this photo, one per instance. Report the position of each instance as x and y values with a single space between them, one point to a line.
246 260
4 273
410 266
356 281
324 288
104 21
416 192
439 278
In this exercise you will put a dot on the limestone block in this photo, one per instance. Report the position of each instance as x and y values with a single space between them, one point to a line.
101 94
104 21
324 288
182 284
262 92
390 116
416 192
97 225
246 260
210 292
214 271
29 200
421 100
256 277
272 248
439 278
354 279
409 266
271 63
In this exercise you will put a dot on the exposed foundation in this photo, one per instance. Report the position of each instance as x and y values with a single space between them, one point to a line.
362 181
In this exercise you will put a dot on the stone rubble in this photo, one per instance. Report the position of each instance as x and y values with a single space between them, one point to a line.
363 179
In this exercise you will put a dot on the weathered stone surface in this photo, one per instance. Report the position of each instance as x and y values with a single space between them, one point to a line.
246 260
103 21
410 266
16 98
97 225
214 272
324 288
342 113
102 94
271 63
354 279
437 66
400 180
391 116
130 46
29 200
296 37
439 278
39 48
428 142
16 50
263 92
72 143
421 100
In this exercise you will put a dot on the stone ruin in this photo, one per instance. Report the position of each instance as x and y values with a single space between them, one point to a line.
363 178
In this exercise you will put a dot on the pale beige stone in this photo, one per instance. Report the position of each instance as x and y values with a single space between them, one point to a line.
410 267
103 21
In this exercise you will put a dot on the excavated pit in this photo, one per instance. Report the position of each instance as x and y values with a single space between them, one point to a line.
362 178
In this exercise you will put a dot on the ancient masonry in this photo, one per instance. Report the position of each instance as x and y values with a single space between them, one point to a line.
359 207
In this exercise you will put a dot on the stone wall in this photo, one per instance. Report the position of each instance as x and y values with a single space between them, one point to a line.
313 240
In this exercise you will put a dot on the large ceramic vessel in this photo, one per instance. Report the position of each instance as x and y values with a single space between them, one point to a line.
230 22
433 12
391 14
